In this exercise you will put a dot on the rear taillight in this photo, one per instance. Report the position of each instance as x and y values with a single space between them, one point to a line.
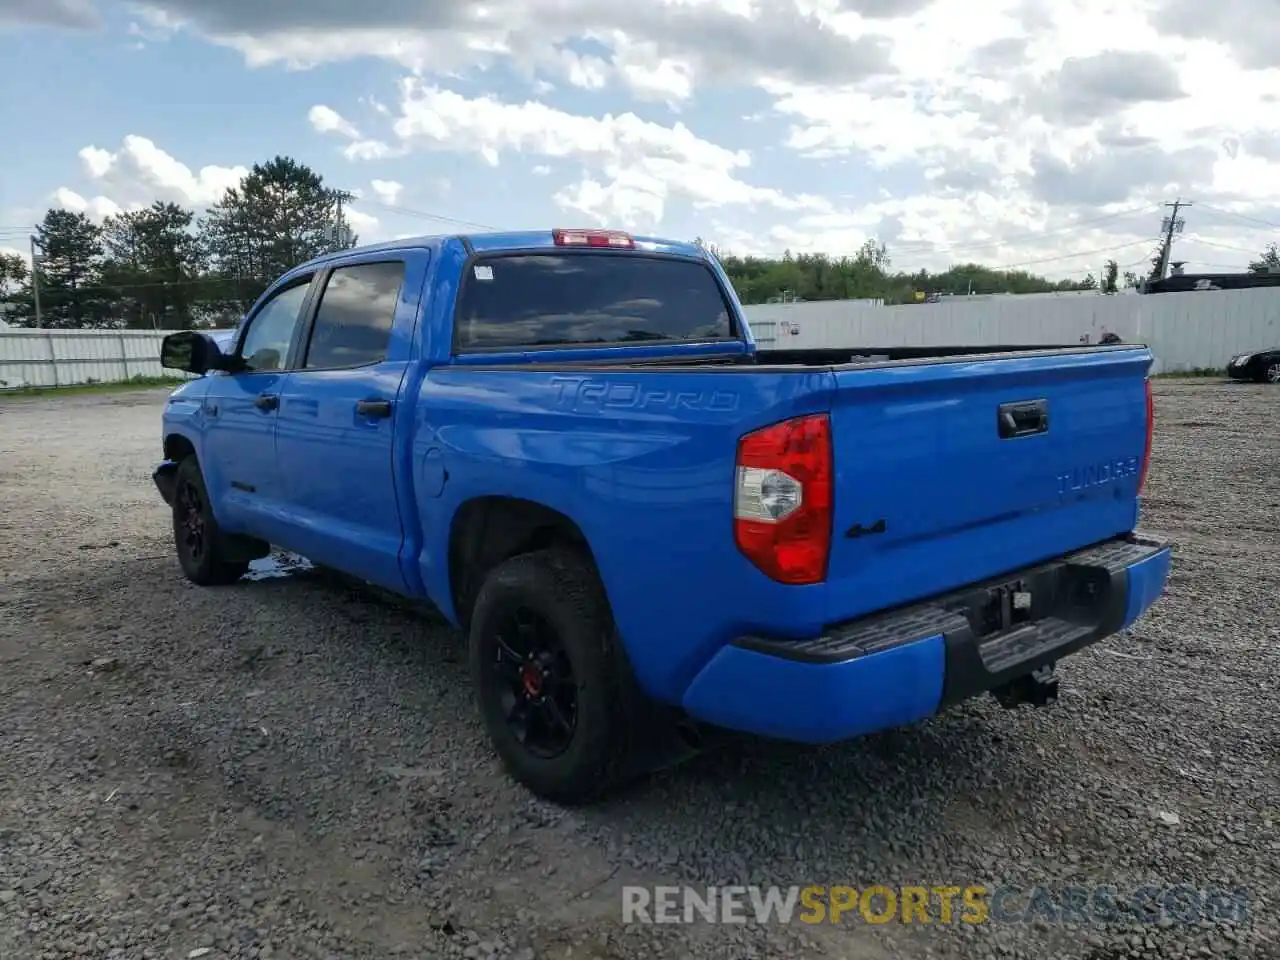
782 499
1151 425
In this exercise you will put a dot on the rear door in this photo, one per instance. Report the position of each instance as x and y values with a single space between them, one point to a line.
340 416
950 472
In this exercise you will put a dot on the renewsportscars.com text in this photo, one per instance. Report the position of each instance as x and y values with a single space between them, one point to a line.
973 904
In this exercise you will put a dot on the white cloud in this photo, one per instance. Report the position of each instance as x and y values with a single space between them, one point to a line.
371 150
388 191
996 132
367 227
661 47
140 172
96 208
327 120
637 164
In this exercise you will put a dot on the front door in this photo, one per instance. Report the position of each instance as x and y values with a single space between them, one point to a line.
337 421
240 416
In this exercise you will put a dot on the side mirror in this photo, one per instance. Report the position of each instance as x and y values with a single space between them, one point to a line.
192 352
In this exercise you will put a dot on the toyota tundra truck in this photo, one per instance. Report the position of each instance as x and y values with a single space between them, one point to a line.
649 530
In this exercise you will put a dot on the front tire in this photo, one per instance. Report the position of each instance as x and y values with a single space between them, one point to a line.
196 536
550 676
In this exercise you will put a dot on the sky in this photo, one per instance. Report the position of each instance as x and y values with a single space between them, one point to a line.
1040 134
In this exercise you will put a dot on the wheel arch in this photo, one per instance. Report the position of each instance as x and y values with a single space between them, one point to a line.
488 530
178 446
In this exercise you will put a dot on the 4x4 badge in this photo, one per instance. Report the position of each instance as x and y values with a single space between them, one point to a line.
858 530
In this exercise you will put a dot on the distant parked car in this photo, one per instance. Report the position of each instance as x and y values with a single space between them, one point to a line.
1263 366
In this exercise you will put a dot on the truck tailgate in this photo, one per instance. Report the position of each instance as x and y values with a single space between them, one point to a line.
950 472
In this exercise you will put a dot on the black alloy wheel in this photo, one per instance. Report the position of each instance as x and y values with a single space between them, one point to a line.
197 539
536 686
193 531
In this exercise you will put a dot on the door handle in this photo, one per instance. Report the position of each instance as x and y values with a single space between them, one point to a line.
1022 419
266 401
373 408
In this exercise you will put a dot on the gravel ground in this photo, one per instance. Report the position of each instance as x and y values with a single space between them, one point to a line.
291 768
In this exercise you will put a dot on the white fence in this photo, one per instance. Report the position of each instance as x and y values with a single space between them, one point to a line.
1186 331
56 358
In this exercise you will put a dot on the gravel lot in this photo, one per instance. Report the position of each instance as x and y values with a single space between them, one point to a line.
291 768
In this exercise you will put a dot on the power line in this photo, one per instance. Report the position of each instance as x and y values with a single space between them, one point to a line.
1016 238
1222 246
410 212
126 288
1240 216
1071 256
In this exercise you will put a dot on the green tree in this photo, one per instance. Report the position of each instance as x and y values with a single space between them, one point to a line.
1090 283
1110 277
14 275
280 215
70 276
1157 264
866 275
153 266
1269 260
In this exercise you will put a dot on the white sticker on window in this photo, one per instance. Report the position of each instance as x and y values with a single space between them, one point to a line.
483 271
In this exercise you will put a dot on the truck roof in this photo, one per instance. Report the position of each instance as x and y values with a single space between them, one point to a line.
502 240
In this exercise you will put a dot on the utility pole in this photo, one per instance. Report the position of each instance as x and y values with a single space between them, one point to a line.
1170 226
340 197
35 280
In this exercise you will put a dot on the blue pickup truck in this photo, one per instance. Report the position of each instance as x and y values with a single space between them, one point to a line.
650 530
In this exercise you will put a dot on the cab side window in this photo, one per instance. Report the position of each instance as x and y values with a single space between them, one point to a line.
266 343
356 313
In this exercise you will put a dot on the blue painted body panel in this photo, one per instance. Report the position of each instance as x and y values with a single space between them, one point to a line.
819 702
641 459
1146 584
826 703
978 505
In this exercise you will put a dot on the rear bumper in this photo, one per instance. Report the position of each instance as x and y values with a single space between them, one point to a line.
165 478
898 667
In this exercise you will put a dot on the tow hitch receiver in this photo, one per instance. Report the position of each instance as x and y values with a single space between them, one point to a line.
1038 688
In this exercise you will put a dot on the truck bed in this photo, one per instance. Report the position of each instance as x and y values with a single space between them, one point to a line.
781 360
951 464
833 356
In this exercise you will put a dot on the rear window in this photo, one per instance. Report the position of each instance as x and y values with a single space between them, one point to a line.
541 300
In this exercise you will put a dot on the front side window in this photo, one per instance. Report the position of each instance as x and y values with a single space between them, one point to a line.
266 343
355 316
549 299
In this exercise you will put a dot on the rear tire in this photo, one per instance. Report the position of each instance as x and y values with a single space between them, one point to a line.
1271 373
196 535
554 691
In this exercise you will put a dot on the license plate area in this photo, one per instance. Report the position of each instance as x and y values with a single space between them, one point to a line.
1071 592
1006 606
